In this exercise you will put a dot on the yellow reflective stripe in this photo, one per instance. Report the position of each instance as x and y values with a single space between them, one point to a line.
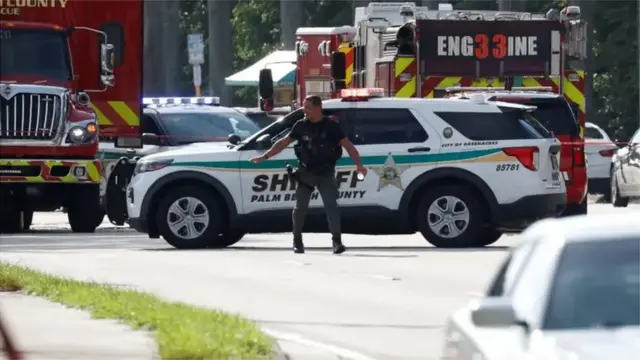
445 83
408 89
401 64
125 112
93 172
530 82
102 119
346 49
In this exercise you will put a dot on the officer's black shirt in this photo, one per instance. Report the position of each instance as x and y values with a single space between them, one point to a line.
317 141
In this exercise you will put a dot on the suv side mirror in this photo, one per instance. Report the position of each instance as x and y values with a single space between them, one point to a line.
151 139
234 139
107 64
264 142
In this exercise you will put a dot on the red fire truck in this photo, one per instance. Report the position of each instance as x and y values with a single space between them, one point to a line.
59 97
436 50
316 49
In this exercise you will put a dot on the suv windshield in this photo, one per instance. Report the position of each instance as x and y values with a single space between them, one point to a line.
597 283
201 127
37 53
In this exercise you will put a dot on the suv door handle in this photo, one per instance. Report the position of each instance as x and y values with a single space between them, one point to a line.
419 149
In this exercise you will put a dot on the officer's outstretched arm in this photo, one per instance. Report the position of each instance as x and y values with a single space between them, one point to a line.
278 146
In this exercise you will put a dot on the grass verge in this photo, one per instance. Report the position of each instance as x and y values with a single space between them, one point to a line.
181 331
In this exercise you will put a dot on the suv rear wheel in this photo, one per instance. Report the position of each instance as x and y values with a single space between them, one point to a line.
452 217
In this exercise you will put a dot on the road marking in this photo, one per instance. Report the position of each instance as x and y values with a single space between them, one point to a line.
383 277
292 262
299 339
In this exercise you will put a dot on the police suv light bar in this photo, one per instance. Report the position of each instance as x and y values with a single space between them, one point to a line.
515 88
208 100
362 93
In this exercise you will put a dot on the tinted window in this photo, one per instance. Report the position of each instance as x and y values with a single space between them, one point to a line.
194 127
509 124
596 284
593 133
39 53
555 116
383 126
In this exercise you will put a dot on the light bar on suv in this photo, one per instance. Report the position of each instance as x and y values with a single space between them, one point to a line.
501 89
361 94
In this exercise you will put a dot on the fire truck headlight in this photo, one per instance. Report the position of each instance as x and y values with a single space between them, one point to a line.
82 134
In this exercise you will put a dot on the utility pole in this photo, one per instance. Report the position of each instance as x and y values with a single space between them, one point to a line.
170 41
291 18
220 48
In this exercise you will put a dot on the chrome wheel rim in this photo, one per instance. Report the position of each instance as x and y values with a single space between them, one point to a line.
188 218
448 217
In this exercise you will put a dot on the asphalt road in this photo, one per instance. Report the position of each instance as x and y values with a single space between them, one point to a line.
386 298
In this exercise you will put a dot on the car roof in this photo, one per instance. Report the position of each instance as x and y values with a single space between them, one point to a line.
188 108
587 228
445 104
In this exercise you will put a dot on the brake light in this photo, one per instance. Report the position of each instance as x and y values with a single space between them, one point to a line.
607 153
528 156
577 152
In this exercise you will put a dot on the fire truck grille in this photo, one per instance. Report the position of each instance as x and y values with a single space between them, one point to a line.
30 116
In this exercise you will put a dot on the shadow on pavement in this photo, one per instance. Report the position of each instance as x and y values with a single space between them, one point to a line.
348 325
349 249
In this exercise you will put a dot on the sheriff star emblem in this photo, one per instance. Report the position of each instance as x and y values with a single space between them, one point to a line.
390 173
6 91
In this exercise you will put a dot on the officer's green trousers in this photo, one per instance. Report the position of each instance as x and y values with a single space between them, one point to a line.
328 189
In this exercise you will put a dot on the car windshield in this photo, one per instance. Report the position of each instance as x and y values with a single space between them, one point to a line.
597 284
35 53
187 128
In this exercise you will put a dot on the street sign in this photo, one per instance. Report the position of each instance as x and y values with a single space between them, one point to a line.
195 46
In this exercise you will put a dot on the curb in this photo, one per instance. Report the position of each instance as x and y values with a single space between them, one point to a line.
279 353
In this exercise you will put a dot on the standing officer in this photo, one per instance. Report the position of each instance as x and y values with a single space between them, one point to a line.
319 146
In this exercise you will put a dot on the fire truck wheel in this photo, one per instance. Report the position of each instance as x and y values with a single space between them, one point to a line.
84 210
189 217
11 221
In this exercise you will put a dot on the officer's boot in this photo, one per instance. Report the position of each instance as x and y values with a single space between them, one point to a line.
298 246
338 247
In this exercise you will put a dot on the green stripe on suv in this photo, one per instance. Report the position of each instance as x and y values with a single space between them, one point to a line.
375 160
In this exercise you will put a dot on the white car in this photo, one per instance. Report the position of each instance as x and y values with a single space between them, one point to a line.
625 173
458 171
570 290
599 149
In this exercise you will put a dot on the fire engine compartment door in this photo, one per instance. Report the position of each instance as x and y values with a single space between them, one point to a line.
489 48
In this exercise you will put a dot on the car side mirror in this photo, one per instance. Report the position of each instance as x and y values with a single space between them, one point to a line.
151 139
234 139
264 142
493 312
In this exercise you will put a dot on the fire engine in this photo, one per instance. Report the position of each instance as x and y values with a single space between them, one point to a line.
324 65
59 98
416 52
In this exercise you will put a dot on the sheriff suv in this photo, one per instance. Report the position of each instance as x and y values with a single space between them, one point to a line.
458 171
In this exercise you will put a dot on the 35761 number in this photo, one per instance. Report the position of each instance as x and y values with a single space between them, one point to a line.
507 167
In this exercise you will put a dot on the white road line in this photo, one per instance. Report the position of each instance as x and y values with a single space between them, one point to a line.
299 339
383 277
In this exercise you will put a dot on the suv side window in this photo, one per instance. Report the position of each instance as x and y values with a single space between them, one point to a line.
503 125
383 126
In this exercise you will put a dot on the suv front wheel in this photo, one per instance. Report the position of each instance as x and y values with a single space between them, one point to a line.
189 218
452 217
